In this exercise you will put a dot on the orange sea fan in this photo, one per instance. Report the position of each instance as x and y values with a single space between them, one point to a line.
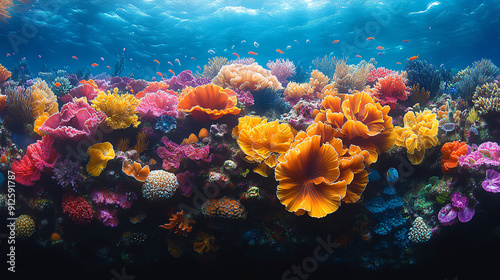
4 73
360 121
179 224
134 169
451 152
209 102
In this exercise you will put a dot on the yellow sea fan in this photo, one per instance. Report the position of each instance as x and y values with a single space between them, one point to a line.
419 133
119 109
44 100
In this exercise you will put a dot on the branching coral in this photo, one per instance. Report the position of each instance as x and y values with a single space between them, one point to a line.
452 151
326 65
213 67
246 77
119 109
318 81
294 92
390 89
282 69
425 74
487 99
418 134
351 77
208 102
179 224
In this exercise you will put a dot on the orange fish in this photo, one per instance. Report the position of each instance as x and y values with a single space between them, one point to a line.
94 64
57 84
236 55
380 48
74 57
398 62
199 67
253 53
3 159
370 38
156 60
406 41
335 42
358 56
413 57
107 66
193 58
160 74
280 51
171 71
8 54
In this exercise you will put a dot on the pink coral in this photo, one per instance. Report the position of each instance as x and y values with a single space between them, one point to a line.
282 70
173 154
77 209
159 103
487 154
185 183
107 217
77 120
492 181
107 197
378 73
82 90
390 89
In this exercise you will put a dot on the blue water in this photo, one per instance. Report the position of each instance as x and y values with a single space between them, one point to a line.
450 32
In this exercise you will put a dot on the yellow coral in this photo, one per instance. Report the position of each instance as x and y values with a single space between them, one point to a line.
99 154
318 81
487 98
419 133
39 122
44 100
119 109
246 77
295 91
263 142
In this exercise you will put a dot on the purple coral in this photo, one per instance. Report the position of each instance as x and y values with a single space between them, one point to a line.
492 181
245 97
68 174
107 217
487 154
185 183
457 208
172 154
108 198
185 79
282 69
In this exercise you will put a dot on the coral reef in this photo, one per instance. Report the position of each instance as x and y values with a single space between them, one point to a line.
25 226
159 185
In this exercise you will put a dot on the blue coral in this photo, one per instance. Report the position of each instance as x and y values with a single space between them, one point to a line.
425 74
401 238
166 124
385 210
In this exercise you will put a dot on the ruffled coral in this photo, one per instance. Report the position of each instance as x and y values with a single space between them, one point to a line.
100 154
82 90
418 134
173 154
4 73
179 224
246 77
390 89
134 169
378 73
263 142
487 154
359 120
452 151
295 91
208 102
120 110
152 87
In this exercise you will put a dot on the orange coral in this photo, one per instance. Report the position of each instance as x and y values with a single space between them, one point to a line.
360 121
318 173
208 102
419 133
318 81
224 208
44 100
39 122
246 77
451 152
205 243
142 142
263 142
4 6
191 139
3 102
179 224
295 91
154 87
99 154
4 73
133 169
203 134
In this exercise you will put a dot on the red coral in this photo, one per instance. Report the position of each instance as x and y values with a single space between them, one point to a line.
77 209
390 89
451 152
39 157
179 224
378 73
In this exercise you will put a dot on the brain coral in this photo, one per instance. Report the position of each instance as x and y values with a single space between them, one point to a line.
419 133
159 185
246 77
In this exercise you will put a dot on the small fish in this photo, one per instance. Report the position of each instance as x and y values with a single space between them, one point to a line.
236 55
380 48
380 54
199 67
252 53
392 176
307 41
398 62
256 44
8 54
280 51
193 58
296 41
413 57
178 61
102 58
406 41
107 66
370 38
24 58
94 65
123 49
232 47
335 42
243 41
211 51
159 74
358 56
288 47
156 60
57 84
39 56
171 71
131 59
74 57
170 63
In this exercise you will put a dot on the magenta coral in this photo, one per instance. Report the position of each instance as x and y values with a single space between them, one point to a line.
159 103
282 70
378 73
492 181
82 90
107 197
173 154
77 120
77 209
185 183
458 208
487 154
185 79
107 217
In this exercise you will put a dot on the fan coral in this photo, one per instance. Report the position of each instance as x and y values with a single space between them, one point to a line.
213 67
4 73
205 243
19 106
359 120
294 92
179 224
425 74
208 102
419 95
25 226
76 120
262 142
68 174
77 209
390 89
119 109
483 71
44 100
451 152
173 153
326 65
487 154
282 69
100 154
133 169
224 208
492 181
419 133
159 185
246 77
486 99
39 157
